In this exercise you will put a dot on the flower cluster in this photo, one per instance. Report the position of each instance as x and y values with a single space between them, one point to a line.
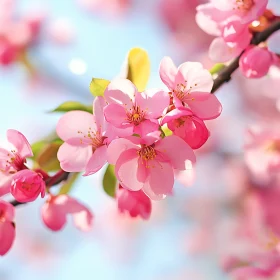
26 185
234 22
126 130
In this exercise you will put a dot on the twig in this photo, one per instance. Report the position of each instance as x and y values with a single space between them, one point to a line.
224 75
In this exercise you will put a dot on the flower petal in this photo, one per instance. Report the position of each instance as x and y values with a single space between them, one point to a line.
20 142
115 114
168 72
7 236
74 158
97 160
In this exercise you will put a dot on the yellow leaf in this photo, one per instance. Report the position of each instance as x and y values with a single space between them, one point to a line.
138 68
98 86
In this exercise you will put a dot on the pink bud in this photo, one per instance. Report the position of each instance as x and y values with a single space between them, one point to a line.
255 62
136 203
27 185
56 209
7 228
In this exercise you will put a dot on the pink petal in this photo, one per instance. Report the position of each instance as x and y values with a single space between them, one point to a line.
74 158
167 72
20 142
130 171
197 78
154 102
7 236
205 105
160 179
146 127
113 133
75 124
148 191
5 184
83 219
179 153
115 114
8 210
185 177
98 107
117 147
120 91
175 114
97 160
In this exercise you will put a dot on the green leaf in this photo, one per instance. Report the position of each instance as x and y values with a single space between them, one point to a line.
166 131
110 181
216 68
71 106
98 86
67 187
37 147
138 68
47 157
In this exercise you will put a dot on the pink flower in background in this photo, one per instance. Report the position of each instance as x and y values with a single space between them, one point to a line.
7 227
186 125
27 185
255 62
85 142
149 163
57 208
262 152
134 111
136 203
190 86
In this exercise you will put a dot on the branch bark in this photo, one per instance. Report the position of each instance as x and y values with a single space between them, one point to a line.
224 75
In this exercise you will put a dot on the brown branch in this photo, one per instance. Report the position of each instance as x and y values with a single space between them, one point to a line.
224 75
56 179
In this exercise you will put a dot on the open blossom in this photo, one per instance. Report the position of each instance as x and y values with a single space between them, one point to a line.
27 185
7 227
149 163
85 142
137 112
256 61
136 203
57 208
262 152
190 86
13 160
183 123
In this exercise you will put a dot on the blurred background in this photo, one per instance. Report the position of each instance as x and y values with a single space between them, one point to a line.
73 41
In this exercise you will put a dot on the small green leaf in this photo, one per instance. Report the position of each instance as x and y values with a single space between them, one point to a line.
47 157
67 187
110 181
166 131
71 106
216 68
98 86
37 147
138 68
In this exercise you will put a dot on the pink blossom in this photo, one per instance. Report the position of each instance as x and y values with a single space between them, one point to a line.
134 111
262 152
136 203
57 208
186 125
255 62
190 86
7 227
149 163
27 185
85 142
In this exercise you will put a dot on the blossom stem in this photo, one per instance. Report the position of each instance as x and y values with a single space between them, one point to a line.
224 75
57 178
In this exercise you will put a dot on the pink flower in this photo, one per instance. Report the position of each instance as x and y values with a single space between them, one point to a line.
57 208
149 163
262 152
134 111
136 203
190 86
26 186
255 62
186 125
7 227
85 142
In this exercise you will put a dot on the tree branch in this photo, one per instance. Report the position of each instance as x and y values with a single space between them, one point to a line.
224 75
56 179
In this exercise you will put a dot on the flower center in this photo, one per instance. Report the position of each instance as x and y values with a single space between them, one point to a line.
147 153
95 137
135 115
244 5
14 162
179 122
182 93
